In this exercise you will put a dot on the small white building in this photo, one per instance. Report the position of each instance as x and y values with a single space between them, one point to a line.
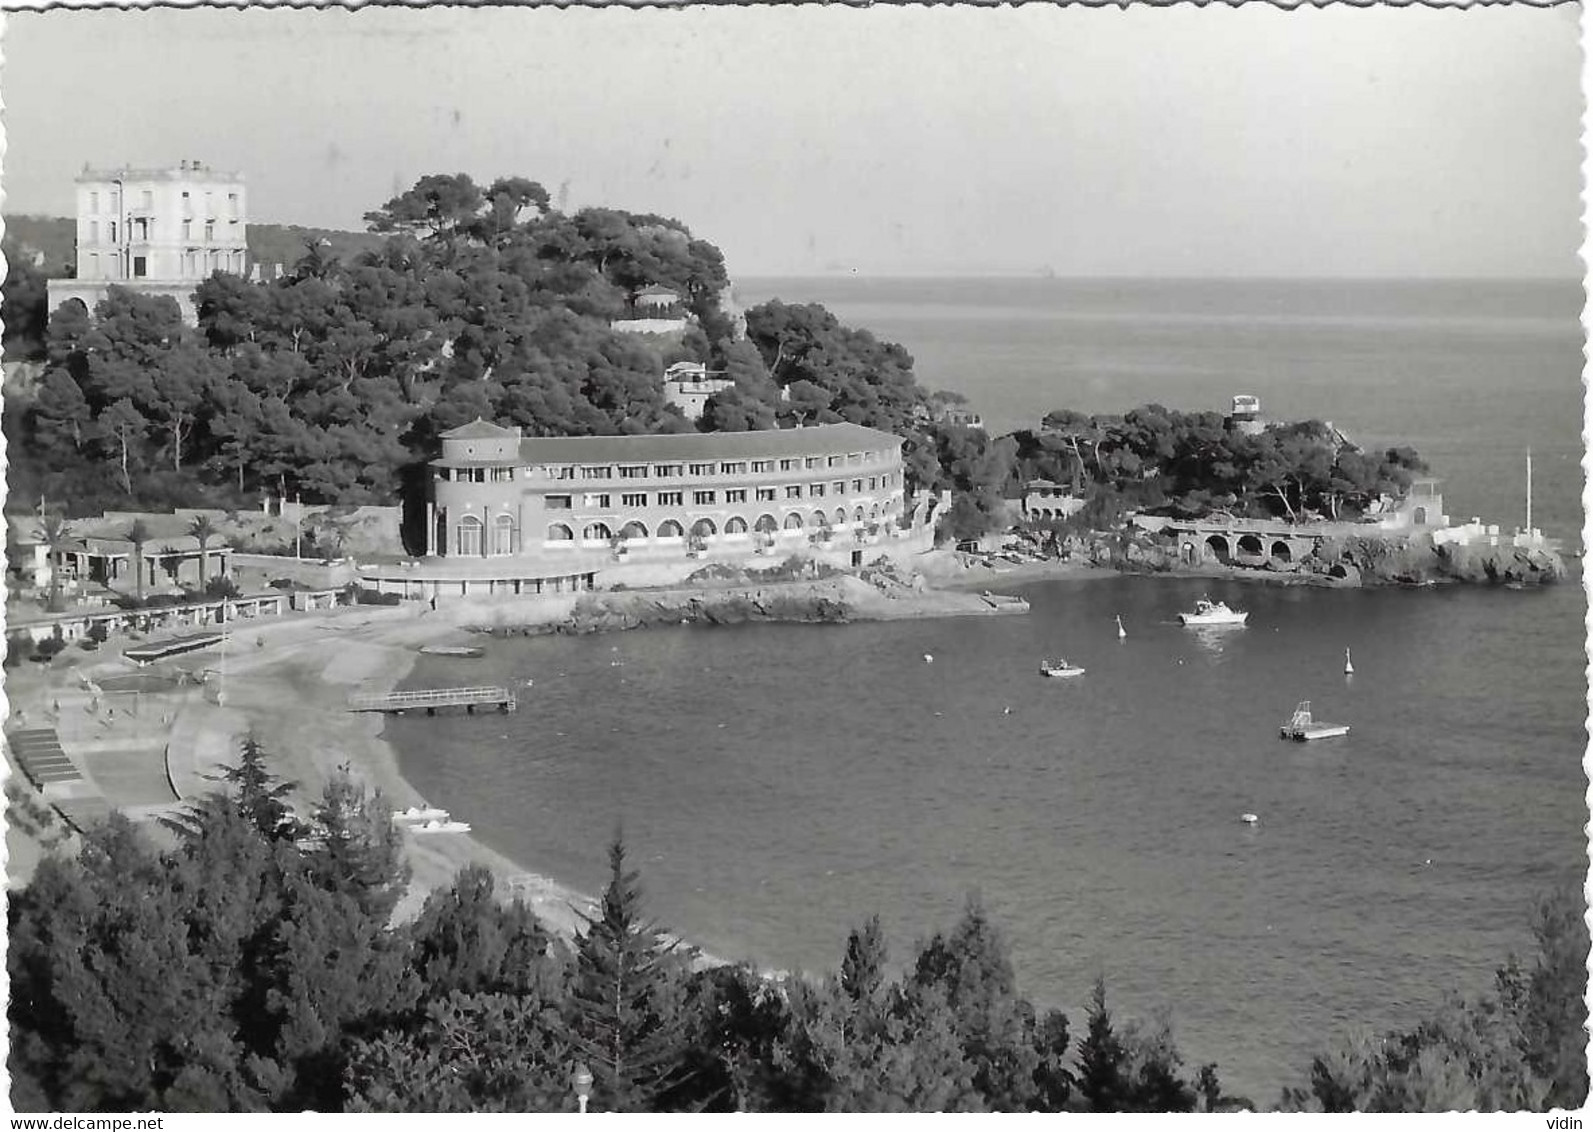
155 231
689 385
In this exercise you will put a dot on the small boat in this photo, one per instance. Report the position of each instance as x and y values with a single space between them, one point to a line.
1301 727
1060 668
1249 819
435 826
1208 612
461 651
420 814
1120 631
1349 669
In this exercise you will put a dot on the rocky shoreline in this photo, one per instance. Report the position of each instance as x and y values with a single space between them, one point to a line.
873 595
1360 560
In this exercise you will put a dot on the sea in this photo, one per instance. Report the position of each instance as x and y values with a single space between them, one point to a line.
778 784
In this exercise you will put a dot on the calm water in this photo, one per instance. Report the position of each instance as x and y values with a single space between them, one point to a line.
777 784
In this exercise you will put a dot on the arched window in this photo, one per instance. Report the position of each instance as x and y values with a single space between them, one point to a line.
857 516
597 531
704 528
469 537
766 523
840 516
503 535
670 529
559 532
793 522
735 525
633 529
873 512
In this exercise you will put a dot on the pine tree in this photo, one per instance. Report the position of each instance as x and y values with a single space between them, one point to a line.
1100 1058
995 1026
624 1004
465 940
354 848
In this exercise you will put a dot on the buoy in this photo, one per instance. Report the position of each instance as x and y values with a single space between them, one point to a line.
1249 819
1349 669
1120 632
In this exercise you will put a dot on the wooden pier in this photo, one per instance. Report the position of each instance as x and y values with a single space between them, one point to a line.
431 699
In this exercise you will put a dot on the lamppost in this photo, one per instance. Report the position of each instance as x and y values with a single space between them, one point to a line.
581 1082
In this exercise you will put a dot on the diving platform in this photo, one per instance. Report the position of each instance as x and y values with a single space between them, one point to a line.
431 699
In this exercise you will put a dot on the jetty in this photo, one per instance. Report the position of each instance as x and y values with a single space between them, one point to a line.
431 699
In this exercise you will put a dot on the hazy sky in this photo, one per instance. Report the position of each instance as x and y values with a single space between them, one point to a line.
923 141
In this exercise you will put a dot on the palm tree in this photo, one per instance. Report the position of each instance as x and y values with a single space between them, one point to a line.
203 530
138 535
54 531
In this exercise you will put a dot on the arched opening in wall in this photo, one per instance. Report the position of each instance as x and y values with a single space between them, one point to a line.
670 529
767 525
1420 516
597 531
873 512
1217 545
1250 546
503 535
77 306
633 529
735 525
840 516
857 516
793 522
1338 570
469 537
559 532
1281 551
704 528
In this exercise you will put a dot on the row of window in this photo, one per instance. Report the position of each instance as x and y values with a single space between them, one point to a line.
722 467
146 201
708 497
470 534
142 230
195 265
669 498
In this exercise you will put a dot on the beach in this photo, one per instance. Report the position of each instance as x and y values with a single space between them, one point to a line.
287 683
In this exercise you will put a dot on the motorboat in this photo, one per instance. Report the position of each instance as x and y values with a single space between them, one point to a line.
1302 728
1208 612
470 652
1060 669
435 826
420 814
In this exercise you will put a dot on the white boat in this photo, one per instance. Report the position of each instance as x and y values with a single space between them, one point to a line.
1208 612
442 827
420 814
1302 728
1120 631
1059 669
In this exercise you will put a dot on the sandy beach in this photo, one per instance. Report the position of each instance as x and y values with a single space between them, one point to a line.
287 682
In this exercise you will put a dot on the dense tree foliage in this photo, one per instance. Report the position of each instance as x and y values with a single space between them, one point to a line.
1523 1047
1157 458
257 965
332 380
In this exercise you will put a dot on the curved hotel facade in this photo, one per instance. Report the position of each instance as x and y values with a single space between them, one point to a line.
540 501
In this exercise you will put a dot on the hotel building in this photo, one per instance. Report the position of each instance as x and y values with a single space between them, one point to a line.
155 231
496 494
